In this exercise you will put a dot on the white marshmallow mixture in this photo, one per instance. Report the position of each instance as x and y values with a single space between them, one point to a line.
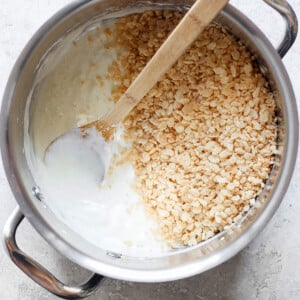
109 215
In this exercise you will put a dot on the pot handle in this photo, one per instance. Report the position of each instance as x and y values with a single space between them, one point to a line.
286 11
36 271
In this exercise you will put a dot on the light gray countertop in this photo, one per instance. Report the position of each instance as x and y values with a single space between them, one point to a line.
269 268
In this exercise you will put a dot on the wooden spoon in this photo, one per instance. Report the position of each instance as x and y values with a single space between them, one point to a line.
189 28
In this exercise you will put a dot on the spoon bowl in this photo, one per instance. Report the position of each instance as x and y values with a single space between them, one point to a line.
79 152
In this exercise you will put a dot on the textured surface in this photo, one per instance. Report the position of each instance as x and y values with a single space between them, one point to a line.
269 268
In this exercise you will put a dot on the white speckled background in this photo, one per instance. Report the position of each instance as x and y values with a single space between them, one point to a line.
268 269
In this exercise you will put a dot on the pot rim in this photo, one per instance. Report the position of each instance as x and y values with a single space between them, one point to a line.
177 272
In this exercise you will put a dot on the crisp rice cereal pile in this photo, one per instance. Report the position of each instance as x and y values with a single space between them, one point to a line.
203 139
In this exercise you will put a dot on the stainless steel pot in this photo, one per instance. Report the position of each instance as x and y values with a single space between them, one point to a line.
180 263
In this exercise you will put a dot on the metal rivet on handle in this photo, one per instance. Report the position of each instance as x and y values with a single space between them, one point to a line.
37 193
113 254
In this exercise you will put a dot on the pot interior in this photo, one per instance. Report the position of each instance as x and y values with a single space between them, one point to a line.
40 59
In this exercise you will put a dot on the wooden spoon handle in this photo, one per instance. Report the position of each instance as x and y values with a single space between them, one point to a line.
189 28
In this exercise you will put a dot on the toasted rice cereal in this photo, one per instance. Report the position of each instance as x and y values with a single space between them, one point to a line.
203 139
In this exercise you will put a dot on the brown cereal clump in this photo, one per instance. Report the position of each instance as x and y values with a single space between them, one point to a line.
203 139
